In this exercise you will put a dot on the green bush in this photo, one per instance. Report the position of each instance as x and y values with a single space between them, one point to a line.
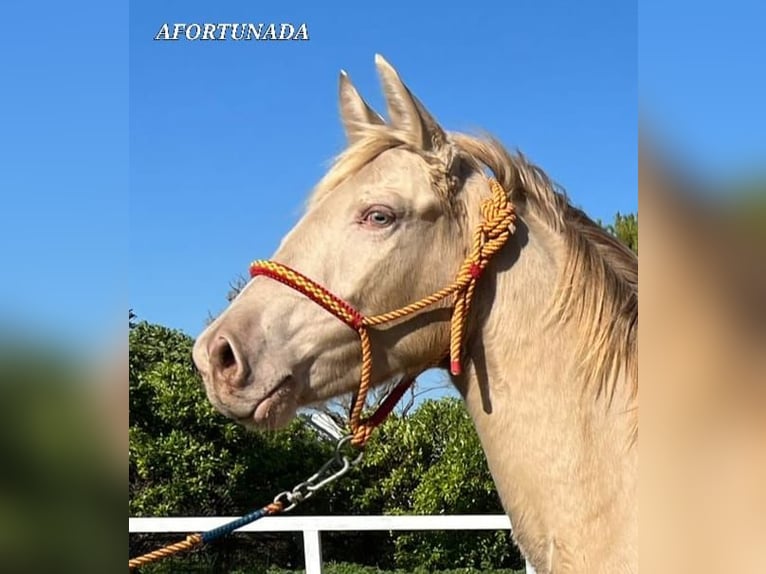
432 463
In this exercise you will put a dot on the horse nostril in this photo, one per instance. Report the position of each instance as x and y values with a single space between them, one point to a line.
225 365
226 358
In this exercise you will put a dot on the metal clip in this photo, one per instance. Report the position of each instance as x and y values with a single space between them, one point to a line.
330 471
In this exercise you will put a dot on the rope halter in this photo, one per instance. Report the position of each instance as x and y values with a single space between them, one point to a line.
498 217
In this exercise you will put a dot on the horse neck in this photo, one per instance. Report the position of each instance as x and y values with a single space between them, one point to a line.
559 457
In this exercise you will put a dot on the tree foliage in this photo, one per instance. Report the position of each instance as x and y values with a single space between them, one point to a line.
432 463
187 459
625 228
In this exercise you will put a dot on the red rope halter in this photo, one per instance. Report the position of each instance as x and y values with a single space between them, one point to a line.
498 217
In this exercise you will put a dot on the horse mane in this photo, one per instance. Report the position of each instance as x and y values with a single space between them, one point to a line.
598 286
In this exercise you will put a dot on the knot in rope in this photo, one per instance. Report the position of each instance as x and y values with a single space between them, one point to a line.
498 217
362 433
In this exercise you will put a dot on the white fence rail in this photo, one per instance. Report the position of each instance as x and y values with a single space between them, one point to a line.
313 526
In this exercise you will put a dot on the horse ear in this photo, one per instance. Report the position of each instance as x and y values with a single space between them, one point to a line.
406 112
355 113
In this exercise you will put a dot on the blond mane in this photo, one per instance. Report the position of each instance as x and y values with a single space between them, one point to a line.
598 287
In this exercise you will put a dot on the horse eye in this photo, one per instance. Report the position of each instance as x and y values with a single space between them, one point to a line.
378 217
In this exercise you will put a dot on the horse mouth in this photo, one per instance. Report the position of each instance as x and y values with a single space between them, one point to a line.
275 410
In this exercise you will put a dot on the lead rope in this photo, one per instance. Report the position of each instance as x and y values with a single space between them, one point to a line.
497 223
198 539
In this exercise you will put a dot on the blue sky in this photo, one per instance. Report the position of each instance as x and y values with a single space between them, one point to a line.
702 83
63 172
226 139
214 128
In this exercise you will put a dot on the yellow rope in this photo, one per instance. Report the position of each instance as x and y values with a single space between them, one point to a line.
190 542
498 217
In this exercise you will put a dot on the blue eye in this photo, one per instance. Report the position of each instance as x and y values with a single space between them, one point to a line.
379 217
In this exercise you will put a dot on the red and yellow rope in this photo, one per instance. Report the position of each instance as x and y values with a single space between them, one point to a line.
498 217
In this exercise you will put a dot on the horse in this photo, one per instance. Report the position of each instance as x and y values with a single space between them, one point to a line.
549 369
